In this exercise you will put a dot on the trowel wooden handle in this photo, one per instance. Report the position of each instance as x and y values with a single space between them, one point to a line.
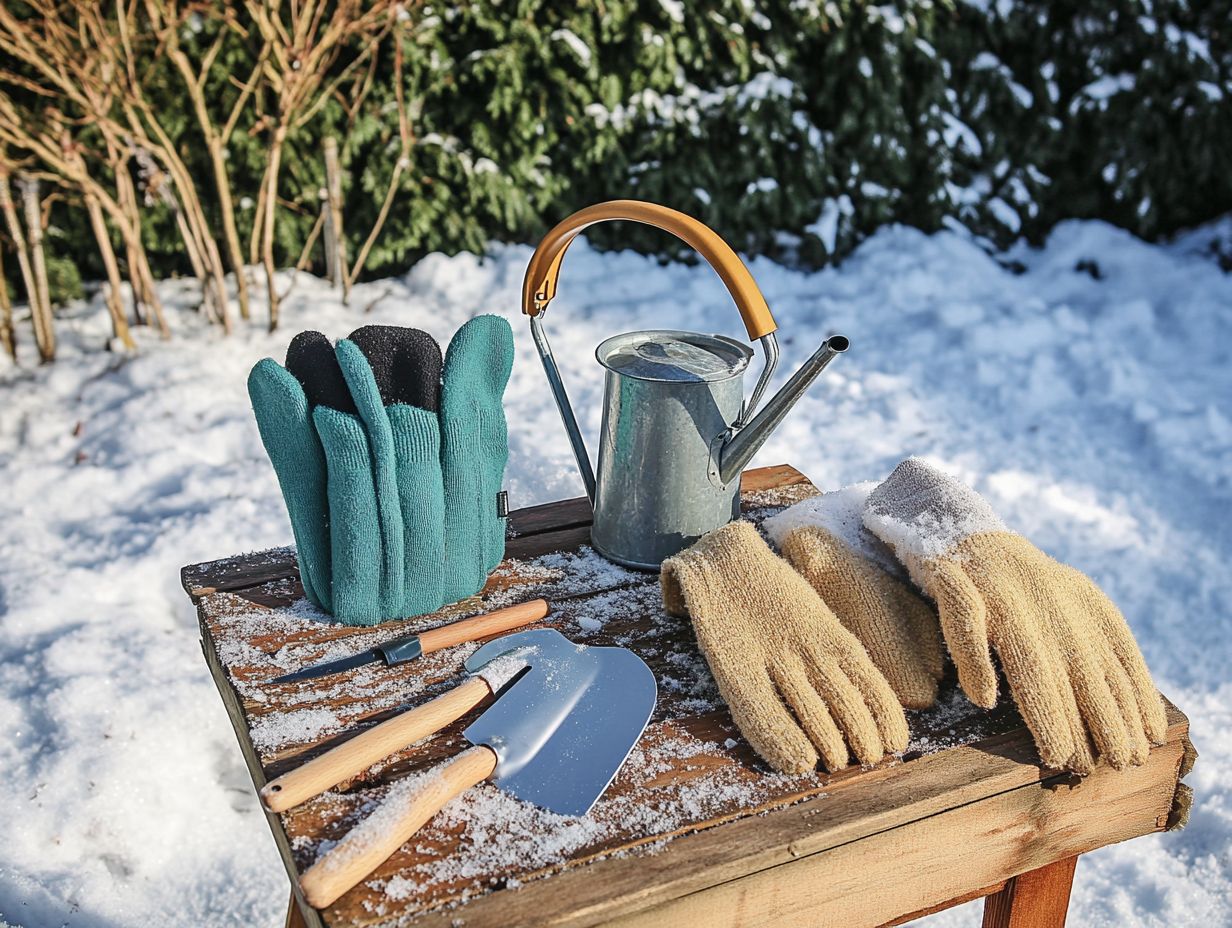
481 626
402 813
539 286
362 751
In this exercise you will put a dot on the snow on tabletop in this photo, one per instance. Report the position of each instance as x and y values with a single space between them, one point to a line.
1095 416
501 838
673 781
839 512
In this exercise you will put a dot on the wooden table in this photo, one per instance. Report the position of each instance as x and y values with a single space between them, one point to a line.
694 830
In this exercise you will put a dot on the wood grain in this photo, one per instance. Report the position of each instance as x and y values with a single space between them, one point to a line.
870 881
778 839
1035 899
877 806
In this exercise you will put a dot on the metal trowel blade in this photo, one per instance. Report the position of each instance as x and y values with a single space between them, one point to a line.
562 730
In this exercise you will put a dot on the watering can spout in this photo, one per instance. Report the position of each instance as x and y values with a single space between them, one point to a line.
739 449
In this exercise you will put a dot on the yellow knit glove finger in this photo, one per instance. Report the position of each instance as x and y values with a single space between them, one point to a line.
897 628
798 684
1071 662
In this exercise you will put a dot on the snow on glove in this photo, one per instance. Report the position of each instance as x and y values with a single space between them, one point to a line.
797 683
1070 660
284 418
474 451
406 367
857 576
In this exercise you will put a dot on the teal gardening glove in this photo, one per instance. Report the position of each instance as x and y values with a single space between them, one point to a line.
474 451
393 513
406 369
446 471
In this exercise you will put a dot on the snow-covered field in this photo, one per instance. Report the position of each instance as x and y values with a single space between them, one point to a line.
1096 415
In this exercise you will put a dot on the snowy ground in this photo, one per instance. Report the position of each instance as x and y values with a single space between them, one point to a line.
1096 414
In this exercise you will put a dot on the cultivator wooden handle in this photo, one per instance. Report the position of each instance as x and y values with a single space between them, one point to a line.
362 751
407 807
539 285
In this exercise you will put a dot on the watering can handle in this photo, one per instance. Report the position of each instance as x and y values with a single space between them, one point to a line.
539 286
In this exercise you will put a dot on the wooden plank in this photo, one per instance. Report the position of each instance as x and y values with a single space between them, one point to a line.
295 917
948 904
1035 899
238 572
931 861
860 806
565 513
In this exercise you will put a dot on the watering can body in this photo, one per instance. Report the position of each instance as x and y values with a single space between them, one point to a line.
676 431
656 489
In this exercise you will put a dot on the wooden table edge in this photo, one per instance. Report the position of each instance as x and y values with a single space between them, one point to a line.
762 478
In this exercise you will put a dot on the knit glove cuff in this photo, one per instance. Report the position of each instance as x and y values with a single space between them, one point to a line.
720 563
923 513
858 577
839 512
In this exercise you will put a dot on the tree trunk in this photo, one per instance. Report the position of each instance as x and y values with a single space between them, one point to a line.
8 335
40 307
19 238
231 235
326 222
267 223
194 212
126 196
145 275
333 221
114 284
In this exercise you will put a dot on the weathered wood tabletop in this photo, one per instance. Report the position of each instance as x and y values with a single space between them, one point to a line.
695 829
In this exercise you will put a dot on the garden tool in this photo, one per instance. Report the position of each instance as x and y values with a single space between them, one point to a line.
797 683
1070 659
410 647
555 737
857 576
676 433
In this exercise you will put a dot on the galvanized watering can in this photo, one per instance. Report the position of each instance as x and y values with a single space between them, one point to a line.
676 431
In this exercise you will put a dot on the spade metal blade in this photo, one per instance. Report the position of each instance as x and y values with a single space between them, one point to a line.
562 729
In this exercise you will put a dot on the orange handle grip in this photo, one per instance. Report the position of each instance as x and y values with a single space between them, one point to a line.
539 285
481 626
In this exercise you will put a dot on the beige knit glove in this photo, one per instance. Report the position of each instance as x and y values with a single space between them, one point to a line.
1070 660
857 576
796 682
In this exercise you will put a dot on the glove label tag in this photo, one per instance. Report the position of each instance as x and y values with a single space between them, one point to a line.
502 504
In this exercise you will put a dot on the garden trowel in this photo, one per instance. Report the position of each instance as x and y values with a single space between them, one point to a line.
556 736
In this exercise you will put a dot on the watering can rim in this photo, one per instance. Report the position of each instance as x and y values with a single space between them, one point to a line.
605 348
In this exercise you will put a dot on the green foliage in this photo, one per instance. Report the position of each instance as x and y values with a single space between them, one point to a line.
794 127
63 279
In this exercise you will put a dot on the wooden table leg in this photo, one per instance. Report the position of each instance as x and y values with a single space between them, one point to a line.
295 918
1036 899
